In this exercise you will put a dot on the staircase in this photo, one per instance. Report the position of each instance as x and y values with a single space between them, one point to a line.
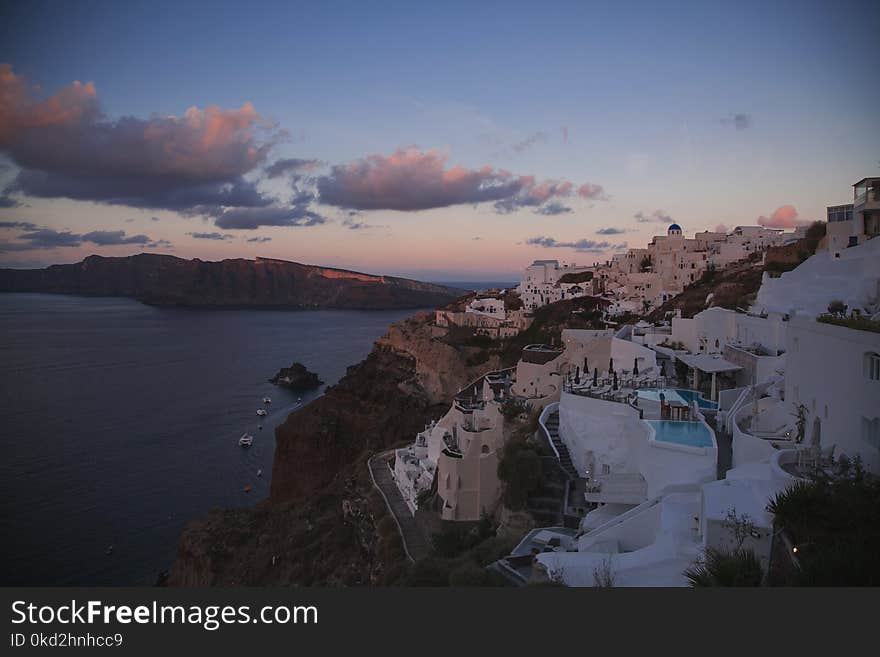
551 426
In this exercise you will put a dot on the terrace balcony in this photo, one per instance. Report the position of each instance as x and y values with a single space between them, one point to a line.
617 488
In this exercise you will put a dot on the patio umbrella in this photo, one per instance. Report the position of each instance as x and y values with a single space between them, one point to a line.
595 376
614 386
635 366
663 368
586 367
577 376
610 364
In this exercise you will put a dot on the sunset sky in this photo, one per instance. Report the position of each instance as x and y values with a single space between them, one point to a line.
445 141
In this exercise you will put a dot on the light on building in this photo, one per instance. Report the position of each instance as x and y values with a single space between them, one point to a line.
794 549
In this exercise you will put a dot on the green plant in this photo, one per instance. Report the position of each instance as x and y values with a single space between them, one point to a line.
603 574
520 470
837 307
469 574
860 323
720 568
834 522
513 407
800 412
740 525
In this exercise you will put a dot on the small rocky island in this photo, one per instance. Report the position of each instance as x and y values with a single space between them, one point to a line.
296 377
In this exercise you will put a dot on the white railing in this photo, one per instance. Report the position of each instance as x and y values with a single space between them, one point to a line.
548 410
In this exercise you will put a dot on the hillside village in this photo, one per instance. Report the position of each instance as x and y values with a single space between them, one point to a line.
653 409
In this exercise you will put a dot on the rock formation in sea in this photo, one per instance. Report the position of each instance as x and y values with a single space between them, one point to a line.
296 377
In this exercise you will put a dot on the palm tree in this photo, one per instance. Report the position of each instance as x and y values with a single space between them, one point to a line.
719 568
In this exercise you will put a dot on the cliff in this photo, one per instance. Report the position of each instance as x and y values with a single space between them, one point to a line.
323 522
264 283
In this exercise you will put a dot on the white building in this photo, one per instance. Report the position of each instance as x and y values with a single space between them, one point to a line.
854 223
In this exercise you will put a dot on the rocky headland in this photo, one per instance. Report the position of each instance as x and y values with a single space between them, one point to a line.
164 280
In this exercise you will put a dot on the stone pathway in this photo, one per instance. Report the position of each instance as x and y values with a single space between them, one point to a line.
414 543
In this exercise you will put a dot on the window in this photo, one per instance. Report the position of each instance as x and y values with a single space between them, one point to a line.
871 431
606 469
872 366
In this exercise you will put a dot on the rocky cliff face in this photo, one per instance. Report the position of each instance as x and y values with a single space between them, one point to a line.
266 283
322 524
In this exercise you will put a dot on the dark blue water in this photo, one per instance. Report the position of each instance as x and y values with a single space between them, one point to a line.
119 423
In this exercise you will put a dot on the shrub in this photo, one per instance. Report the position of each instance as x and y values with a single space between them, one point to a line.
835 524
720 568
429 572
519 468
837 307
469 574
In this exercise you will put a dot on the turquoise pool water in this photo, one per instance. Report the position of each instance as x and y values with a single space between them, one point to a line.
692 434
680 395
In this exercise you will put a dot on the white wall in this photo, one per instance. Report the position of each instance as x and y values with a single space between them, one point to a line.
825 371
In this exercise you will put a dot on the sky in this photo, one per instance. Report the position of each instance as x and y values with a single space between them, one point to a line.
443 141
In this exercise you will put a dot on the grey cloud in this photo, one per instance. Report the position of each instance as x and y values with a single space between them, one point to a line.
553 208
530 141
22 225
656 216
739 121
584 245
210 236
114 237
297 214
611 231
46 238
290 165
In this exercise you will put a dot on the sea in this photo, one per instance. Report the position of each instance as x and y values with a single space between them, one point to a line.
119 423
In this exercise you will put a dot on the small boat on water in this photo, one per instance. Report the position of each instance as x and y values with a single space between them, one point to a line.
246 440
261 412
267 400
260 472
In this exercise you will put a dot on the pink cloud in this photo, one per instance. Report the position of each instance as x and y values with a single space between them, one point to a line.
66 147
785 216
411 179
592 191
19 111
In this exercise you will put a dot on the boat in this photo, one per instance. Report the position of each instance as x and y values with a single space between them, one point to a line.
261 412
260 472
267 400
246 440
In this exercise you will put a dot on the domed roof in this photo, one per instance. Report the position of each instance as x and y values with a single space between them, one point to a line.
674 227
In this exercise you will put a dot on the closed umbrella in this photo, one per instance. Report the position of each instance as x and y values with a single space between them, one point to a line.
595 376
635 366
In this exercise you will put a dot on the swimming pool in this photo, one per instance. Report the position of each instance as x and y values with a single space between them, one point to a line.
691 434
680 395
